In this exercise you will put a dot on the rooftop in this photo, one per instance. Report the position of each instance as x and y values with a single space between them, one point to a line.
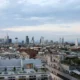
31 52
16 66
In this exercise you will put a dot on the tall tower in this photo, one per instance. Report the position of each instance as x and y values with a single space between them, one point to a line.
7 39
16 40
59 40
32 40
42 40
27 40
62 41
76 43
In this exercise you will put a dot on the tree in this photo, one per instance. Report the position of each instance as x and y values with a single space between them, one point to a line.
14 69
23 68
5 69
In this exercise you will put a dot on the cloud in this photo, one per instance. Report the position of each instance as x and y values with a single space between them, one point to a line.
3 3
68 28
38 12
40 17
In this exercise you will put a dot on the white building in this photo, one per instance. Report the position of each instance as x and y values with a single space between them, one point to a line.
76 43
42 40
52 59
22 69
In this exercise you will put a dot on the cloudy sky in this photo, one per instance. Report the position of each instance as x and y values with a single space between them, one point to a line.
49 18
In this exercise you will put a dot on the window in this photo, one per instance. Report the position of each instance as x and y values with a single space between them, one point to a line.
1 78
32 77
29 66
44 77
64 78
11 78
22 78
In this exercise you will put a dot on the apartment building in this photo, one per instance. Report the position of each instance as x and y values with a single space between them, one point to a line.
22 69
53 61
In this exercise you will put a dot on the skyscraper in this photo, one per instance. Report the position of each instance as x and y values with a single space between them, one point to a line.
42 40
22 42
76 43
27 40
62 41
7 39
32 40
10 41
16 40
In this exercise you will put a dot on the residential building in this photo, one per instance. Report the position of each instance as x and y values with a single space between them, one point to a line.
22 69
53 59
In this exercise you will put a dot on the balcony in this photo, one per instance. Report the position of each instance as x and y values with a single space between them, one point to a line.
24 72
61 73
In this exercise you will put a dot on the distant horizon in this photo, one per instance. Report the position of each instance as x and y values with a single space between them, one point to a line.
56 37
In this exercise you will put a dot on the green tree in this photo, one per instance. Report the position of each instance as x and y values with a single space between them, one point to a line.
5 69
14 69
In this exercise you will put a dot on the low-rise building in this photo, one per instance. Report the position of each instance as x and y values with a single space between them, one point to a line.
22 69
54 59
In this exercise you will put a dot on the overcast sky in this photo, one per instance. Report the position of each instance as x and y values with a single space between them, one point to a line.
49 18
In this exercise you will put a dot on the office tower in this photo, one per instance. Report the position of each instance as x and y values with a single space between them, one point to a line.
27 40
59 40
7 39
10 41
23 42
51 41
16 40
76 43
46 42
62 41
42 40
32 41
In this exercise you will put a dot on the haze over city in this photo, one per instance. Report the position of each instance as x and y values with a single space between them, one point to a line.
49 18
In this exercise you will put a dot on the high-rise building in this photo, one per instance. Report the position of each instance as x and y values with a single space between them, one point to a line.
62 41
23 42
59 40
51 42
27 40
42 40
7 39
10 41
46 42
16 40
76 43
32 41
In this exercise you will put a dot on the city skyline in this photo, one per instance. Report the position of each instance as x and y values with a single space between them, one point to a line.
55 38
